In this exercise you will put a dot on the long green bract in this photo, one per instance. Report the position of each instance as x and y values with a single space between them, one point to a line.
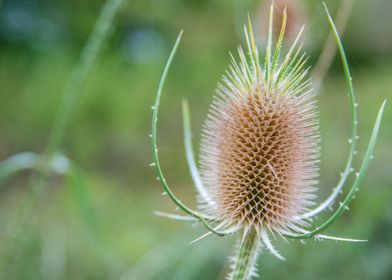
355 187
154 146
369 152
190 156
354 130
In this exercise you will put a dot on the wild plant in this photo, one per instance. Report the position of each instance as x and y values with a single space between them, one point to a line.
260 150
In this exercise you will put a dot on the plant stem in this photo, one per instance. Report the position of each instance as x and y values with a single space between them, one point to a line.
95 44
244 266
26 216
88 57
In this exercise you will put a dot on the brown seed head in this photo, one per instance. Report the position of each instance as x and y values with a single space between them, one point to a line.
259 150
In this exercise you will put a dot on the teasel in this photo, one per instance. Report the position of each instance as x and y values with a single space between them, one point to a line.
260 152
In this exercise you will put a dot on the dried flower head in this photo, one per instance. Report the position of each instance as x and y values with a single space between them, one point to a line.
260 150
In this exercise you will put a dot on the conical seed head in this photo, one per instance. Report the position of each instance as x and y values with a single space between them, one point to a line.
259 150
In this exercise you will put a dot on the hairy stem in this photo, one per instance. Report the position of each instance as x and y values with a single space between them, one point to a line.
244 264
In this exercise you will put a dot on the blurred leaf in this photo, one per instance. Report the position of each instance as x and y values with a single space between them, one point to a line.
16 163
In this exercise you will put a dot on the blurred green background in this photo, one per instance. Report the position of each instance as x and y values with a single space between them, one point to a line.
103 227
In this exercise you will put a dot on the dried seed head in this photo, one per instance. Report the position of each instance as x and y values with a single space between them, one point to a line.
259 150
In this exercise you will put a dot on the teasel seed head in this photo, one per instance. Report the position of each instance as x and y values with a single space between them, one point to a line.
260 150
260 143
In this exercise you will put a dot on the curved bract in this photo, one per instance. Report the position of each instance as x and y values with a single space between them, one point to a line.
156 163
354 130
190 156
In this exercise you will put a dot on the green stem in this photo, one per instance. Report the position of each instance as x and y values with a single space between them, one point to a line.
96 42
25 216
94 46
244 266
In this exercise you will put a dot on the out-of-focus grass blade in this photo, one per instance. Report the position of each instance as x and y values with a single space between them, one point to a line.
83 199
31 161
80 191
88 57
18 162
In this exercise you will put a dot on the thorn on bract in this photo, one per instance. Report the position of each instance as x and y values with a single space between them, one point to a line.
343 205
